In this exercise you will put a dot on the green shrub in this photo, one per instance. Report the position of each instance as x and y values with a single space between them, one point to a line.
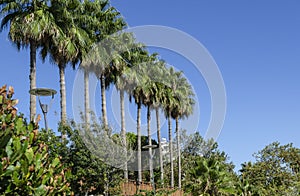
25 166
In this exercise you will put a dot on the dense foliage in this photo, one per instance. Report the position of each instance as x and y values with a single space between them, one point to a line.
275 172
208 171
26 167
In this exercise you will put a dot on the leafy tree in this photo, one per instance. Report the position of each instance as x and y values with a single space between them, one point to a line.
25 167
87 169
99 149
276 170
89 172
194 145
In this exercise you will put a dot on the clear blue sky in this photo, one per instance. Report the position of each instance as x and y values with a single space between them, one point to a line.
256 45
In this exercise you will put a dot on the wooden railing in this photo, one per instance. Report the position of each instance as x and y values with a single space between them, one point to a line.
130 188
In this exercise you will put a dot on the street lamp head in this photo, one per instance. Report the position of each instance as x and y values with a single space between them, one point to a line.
42 92
149 146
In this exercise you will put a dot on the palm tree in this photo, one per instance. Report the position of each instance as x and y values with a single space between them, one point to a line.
30 24
90 63
210 176
136 79
137 94
182 108
161 164
169 102
93 20
161 87
178 102
86 66
121 65
150 96
113 23
68 45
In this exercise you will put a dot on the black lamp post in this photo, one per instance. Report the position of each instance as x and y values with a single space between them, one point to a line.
44 107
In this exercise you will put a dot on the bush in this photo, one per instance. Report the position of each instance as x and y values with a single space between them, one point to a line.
25 167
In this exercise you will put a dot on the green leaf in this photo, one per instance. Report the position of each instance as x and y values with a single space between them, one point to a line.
8 118
41 190
8 149
24 166
19 125
1 99
25 146
30 127
31 136
46 177
40 173
9 170
15 178
29 155
17 145
38 161
55 162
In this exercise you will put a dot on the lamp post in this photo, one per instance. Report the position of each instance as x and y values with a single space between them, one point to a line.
151 155
44 107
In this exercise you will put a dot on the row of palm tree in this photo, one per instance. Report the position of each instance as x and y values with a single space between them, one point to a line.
63 29
72 32
147 79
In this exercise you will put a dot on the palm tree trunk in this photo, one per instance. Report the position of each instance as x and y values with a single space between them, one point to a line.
86 99
63 102
179 153
150 143
160 147
139 143
171 150
32 78
123 133
103 99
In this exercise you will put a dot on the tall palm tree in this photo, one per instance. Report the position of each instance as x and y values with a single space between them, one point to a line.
183 108
137 79
169 102
94 21
161 87
178 102
158 131
113 24
30 24
68 45
121 65
150 96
